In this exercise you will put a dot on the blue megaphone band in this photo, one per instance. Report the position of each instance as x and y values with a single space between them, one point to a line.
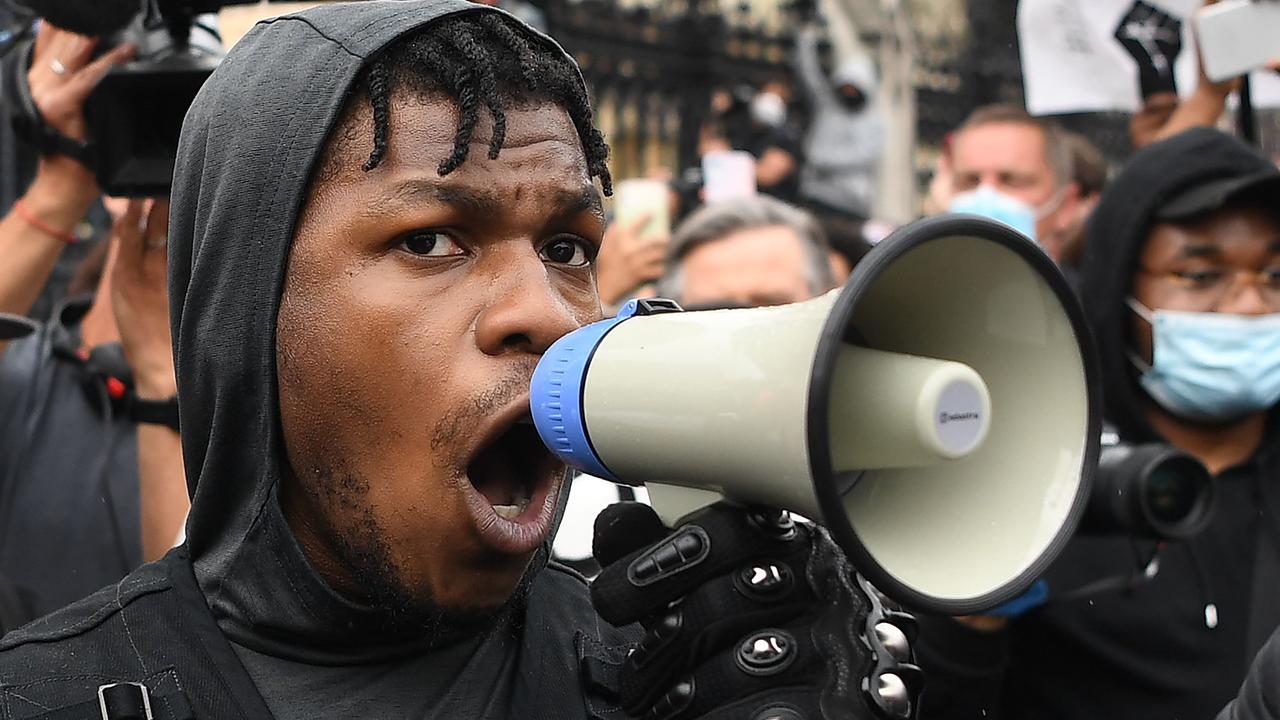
1034 597
555 393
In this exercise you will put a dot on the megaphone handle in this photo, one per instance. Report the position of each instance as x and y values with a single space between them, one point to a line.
673 502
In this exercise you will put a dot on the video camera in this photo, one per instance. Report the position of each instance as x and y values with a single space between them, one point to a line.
135 114
1151 491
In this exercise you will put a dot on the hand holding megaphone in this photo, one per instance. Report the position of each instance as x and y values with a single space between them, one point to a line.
938 415
748 615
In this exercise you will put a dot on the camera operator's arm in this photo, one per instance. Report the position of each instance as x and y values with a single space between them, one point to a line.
39 225
140 300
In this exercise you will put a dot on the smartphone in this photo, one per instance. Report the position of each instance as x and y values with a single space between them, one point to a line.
1237 36
636 197
727 175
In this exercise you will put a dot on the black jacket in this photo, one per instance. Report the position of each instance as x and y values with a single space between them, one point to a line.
236 623
1178 646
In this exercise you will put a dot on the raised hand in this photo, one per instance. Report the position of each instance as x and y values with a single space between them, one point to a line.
63 73
140 298
1154 38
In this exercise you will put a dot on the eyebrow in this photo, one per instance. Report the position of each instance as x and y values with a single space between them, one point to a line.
418 190
1197 251
1211 250
572 202
479 201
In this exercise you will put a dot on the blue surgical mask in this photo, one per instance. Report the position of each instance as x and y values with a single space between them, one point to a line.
989 202
1210 366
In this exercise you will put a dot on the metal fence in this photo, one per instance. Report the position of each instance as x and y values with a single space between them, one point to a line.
652 66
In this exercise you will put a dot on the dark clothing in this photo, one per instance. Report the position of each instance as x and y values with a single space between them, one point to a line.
1178 646
154 627
743 133
760 140
69 507
238 618
1259 697
1149 653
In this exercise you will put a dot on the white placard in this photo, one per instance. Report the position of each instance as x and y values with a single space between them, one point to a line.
1072 61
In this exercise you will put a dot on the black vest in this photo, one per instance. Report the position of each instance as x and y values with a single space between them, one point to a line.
154 629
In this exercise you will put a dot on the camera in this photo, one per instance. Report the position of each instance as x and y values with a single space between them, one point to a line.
135 113
1151 491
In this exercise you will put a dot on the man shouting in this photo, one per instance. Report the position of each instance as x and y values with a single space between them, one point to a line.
383 214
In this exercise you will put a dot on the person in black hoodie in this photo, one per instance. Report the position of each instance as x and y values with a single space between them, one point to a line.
1182 257
382 214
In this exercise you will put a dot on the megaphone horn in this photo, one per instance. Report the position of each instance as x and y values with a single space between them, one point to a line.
938 414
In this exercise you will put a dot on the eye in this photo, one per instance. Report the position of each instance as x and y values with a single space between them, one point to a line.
430 243
573 252
1200 278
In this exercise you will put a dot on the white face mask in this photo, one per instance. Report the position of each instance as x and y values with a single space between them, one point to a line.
768 109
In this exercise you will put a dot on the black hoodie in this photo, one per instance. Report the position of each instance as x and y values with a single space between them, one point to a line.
247 150
1178 646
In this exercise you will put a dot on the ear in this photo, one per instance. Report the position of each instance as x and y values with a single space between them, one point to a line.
1068 208
1060 222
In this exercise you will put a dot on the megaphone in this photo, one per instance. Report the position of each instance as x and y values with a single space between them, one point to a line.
938 414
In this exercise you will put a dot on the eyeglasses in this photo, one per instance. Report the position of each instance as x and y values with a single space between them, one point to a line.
1211 285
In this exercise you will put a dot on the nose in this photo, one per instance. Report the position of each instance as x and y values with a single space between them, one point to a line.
527 312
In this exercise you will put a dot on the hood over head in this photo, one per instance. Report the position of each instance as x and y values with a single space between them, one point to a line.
1154 177
860 72
246 154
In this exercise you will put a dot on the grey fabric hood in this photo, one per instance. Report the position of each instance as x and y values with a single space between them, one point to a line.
246 153
860 72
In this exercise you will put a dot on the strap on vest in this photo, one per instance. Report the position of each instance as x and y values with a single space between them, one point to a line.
126 701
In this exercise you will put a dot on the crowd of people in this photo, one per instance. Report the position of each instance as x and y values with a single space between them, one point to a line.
279 414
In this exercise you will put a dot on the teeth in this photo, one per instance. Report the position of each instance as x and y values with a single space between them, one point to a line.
511 512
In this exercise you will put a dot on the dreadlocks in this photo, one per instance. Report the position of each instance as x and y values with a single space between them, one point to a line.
481 58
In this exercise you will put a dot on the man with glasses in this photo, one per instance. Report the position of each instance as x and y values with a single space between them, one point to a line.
1181 284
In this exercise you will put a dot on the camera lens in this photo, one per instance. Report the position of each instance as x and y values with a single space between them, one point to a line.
1171 491
1151 491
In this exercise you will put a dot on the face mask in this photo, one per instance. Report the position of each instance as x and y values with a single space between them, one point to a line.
1211 366
989 202
852 99
768 109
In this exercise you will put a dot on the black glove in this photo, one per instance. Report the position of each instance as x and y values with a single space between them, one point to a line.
1154 38
750 616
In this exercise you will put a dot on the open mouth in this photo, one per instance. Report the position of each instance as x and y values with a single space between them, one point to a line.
513 471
